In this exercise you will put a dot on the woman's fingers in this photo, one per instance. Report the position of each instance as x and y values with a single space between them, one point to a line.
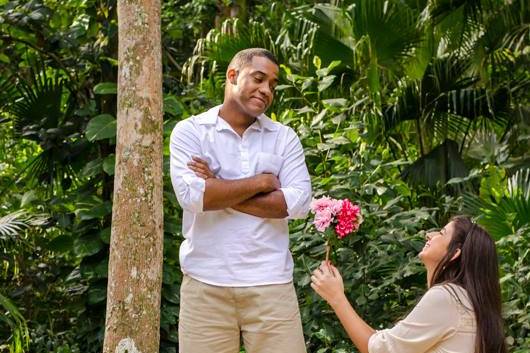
325 267
335 271
315 288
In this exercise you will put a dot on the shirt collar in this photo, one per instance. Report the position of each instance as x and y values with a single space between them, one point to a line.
211 117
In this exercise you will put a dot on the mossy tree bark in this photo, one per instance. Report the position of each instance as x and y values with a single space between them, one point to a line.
135 263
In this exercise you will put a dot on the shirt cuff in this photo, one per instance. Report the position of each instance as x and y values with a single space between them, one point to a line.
297 203
192 195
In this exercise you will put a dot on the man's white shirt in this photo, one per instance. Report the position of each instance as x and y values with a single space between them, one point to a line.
227 247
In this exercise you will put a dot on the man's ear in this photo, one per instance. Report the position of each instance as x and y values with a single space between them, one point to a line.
231 76
457 254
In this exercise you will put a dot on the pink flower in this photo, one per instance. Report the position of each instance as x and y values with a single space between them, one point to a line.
322 220
326 203
349 219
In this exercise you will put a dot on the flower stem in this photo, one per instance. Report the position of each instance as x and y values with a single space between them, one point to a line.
328 248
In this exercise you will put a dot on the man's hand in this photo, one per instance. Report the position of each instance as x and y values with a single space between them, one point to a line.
264 198
200 168
264 182
268 182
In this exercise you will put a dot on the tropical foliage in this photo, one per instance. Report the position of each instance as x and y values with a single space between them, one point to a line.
417 109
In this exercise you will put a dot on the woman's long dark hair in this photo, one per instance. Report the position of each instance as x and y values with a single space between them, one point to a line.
476 270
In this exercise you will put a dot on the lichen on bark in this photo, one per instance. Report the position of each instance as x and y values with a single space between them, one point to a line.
135 263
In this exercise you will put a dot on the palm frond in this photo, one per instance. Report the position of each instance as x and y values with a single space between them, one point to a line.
437 167
362 31
438 10
515 17
213 53
376 19
8 93
40 105
444 96
44 112
503 216
19 337
16 222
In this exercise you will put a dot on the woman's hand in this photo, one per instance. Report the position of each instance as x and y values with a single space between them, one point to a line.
327 282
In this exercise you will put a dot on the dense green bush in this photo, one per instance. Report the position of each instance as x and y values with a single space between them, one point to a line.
404 122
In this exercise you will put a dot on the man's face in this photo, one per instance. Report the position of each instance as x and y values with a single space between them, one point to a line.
253 86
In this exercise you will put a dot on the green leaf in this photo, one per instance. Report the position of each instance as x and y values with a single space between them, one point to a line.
28 198
336 102
4 58
62 243
172 106
326 82
282 87
97 295
90 268
325 71
106 88
97 211
109 163
318 118
104 235
87 245
171 227
171 274
317 62
101 127
112 61
373 79
92 168
171 293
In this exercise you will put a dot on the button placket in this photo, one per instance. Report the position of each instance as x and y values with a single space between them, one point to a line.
244 153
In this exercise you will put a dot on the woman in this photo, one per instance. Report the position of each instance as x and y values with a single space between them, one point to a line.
460 312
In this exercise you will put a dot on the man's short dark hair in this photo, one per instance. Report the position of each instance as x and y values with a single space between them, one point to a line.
244 57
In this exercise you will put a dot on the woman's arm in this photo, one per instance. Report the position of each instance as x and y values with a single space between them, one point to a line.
433 319
327 282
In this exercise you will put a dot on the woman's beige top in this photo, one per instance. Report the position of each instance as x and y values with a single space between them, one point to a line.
442 322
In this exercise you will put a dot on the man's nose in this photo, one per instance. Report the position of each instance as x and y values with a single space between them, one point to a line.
266 90
429 235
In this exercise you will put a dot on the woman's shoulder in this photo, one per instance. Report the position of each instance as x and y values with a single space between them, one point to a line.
436 295
449 293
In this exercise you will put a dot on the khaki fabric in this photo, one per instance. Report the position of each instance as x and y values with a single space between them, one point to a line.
214 319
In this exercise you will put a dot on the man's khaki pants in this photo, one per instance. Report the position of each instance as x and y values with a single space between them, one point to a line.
212 319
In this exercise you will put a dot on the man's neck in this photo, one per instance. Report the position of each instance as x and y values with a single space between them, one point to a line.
235 117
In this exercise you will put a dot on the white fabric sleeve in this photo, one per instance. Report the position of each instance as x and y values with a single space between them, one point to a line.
434 319
189 188
294 178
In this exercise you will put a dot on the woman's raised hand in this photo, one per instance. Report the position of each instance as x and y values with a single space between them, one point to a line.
327 282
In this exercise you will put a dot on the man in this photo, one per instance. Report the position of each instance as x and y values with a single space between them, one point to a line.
239 176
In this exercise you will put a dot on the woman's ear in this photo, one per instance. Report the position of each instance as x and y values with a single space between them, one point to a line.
457 254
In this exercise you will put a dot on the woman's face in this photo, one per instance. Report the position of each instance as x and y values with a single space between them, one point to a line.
436 245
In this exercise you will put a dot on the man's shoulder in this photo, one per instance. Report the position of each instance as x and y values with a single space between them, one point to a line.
207 117
274 125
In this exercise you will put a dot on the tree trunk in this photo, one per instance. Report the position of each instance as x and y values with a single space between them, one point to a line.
135 263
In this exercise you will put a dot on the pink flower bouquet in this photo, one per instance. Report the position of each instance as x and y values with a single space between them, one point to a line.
335 218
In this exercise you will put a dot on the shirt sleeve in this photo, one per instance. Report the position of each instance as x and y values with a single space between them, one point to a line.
434 319
294 178
184 144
